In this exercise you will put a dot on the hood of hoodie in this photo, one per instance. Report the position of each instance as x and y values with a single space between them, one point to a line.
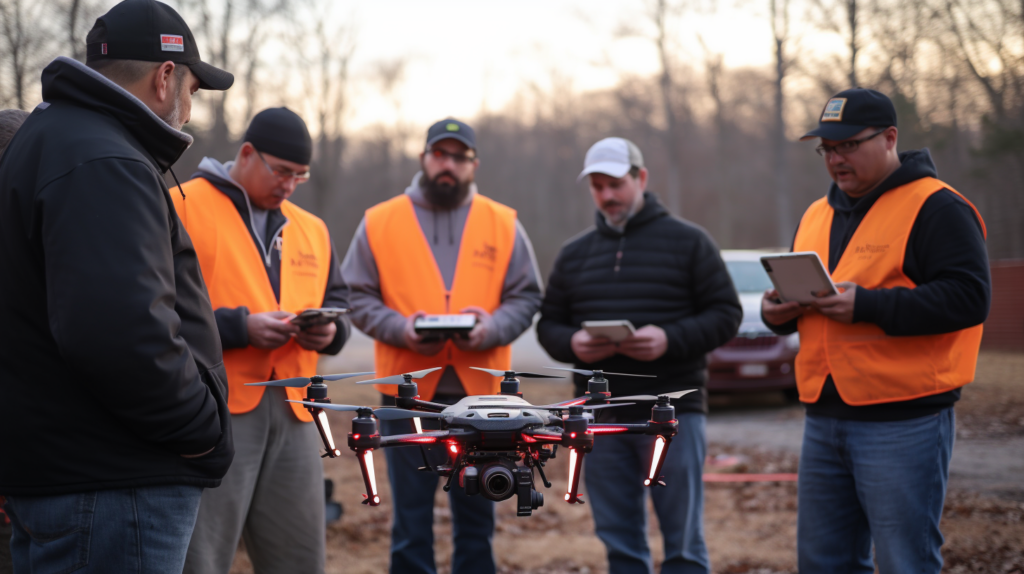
652 209
415 193
914 164
68 80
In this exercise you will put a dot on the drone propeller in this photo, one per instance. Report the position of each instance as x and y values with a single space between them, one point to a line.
299 382
515 374
674 395
395 379
384 414
587 373
560 406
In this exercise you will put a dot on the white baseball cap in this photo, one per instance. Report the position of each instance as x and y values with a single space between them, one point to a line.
611 156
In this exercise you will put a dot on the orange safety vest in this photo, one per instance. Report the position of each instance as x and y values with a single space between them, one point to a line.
868 366
410 281
235 275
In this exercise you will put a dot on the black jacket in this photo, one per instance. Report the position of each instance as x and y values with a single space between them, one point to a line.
110 362
662 271
232 322
945 257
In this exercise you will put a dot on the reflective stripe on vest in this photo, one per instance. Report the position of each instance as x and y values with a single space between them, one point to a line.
410 281
868 366
235 275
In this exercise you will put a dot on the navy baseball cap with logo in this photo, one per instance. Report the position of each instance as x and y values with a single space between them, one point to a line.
451 129
852 111
151 31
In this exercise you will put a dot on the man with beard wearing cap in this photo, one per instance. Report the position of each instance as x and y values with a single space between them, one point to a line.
440 248
113 395
265 260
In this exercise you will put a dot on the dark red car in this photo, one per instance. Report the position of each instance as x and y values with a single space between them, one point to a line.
756 360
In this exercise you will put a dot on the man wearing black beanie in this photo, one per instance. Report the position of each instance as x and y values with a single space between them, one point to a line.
265 260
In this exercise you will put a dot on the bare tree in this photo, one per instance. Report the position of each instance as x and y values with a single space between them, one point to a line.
778 11
24 43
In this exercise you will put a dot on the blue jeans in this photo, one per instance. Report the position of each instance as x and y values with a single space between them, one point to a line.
881 482
614 473
412 534
133 530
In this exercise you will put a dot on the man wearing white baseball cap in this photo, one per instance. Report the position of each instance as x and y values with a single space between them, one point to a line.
665 276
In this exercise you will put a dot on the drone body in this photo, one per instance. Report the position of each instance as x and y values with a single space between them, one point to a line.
495 443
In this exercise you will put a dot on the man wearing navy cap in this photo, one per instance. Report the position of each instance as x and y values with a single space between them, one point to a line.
441 248
882 363
113 395
265 260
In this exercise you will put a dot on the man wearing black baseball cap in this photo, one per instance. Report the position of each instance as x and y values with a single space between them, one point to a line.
265 260
882 363
107 455
403 264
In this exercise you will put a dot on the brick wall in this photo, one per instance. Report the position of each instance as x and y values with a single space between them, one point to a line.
1004 329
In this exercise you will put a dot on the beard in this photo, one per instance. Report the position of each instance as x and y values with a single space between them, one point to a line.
442 193
173 118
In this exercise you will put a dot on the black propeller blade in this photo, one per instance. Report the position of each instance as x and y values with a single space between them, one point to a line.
395 379
587 373
299 382
674 395
516 374
384 414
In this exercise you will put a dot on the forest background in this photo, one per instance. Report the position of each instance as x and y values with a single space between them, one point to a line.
719 138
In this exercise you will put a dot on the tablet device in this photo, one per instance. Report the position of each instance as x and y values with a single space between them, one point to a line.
322 316
616 330
799 277
445 325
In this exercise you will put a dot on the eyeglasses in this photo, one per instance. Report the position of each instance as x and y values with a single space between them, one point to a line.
439 154
285 174
846 147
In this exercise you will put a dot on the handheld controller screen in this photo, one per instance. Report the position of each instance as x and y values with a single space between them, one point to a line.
312 317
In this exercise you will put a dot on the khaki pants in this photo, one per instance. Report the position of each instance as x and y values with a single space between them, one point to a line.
273 496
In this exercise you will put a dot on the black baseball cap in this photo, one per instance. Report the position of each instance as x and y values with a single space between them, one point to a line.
451 129
281 133
852 111
150 31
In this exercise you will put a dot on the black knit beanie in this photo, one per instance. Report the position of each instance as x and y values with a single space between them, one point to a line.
281 132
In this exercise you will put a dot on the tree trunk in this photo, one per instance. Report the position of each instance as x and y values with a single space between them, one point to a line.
670 136
783 204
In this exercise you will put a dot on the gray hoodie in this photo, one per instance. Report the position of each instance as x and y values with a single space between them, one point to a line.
520 297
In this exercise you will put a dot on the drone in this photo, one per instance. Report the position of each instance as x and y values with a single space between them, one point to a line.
494 443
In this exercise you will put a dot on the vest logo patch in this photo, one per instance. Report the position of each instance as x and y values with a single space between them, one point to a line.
834 110
489 252
307 260
869 250
171 43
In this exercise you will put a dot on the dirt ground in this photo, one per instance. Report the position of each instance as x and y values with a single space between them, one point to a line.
750 528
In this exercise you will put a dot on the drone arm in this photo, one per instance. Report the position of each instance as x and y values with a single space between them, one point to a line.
632 428
409 403
416 439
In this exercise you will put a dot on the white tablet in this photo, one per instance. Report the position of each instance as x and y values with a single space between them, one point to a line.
799 277
616 330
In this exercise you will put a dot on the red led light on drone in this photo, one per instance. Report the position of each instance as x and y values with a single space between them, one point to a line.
528 438
572 435
355 436
453 448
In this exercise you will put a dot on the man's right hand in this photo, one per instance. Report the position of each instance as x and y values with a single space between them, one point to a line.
270 330
590 349
418 343
778 313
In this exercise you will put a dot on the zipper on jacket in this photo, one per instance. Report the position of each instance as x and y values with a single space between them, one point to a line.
618 254
447 302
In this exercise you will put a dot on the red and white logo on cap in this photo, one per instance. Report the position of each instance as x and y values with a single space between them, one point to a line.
172 43
103 48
